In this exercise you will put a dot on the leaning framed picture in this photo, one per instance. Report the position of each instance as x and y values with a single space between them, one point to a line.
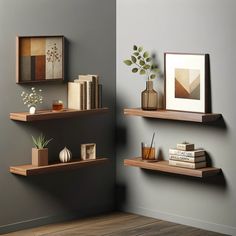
186 82
88 151
39 59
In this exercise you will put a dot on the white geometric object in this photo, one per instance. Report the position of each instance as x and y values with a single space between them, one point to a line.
65 155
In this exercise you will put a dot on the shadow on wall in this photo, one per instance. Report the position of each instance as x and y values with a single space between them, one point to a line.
219 124
214 182
217 181
75 190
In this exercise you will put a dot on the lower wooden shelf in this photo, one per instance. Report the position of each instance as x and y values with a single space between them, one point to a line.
28 169
163 166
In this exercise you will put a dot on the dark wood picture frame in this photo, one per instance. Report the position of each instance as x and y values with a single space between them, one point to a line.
39 59
203 92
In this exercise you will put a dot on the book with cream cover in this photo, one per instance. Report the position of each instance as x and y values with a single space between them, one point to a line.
188 164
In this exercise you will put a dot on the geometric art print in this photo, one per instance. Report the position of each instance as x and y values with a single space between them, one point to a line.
40 58
187 83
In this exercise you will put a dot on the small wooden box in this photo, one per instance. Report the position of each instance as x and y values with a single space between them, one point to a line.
185 146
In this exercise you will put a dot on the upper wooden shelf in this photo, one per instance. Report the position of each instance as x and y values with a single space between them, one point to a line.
174 115
163 166
49 114
27 170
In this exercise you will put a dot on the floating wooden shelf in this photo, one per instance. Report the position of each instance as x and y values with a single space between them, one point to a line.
27 170
173 115
163 166
49 114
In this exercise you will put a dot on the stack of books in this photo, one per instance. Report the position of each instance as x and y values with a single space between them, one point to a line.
184 155
85 93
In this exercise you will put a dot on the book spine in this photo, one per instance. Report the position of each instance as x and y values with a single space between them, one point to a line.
185 146
94 84
85 96
81 101
187 159
74 95
96 91
92 95
187 164
89 95
187 153
100 96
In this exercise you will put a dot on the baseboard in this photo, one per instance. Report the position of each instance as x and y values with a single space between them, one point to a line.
219 228
48 220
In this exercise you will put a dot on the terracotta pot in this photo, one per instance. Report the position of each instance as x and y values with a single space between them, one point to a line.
39 157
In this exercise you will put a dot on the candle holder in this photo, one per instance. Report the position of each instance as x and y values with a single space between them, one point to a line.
57 105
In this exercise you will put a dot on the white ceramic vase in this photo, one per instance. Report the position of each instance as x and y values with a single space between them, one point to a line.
65 155
32 110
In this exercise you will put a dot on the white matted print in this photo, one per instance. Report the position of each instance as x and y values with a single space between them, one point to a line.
185 82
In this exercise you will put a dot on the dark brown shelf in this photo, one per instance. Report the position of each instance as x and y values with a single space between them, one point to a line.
173 115
49 114
163 166
27 170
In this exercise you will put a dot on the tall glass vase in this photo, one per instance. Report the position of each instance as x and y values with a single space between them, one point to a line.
149 97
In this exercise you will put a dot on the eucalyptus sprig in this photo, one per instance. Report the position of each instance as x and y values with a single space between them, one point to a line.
41 141
142 63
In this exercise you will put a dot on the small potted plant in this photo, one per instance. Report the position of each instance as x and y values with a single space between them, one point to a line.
40 152
142 63
31 99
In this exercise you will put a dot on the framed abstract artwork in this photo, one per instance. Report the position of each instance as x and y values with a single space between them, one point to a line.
39 59
88 151
186 82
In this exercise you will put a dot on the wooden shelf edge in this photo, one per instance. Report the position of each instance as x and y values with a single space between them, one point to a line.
28 169
49 114
163 166
174 115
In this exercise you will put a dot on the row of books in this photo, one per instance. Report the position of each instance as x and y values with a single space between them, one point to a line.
85 93
184 155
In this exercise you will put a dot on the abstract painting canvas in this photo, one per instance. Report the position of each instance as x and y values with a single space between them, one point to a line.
186 76
40 59
187 83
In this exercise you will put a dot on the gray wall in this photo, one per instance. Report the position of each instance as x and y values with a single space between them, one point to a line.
27 201
179 26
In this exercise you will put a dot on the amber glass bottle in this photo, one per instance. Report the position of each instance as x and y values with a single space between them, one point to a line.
149 97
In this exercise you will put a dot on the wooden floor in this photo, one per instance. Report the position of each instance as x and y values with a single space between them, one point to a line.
118 224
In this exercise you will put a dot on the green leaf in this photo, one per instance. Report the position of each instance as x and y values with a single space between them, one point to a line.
145 54
142 72
148 59
140 49
128 62
135 47
136 53
146 67
155 70
133 59
141 62
152 76
135 70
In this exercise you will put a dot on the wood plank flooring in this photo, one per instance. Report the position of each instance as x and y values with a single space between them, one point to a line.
115 224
